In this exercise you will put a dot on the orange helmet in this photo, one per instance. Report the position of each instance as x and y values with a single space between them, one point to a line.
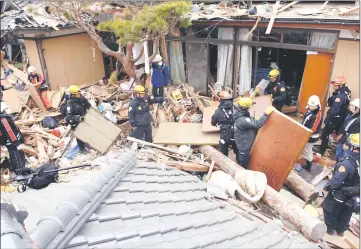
340 80
225 95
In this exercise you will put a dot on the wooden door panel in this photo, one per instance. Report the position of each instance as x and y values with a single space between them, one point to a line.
316 77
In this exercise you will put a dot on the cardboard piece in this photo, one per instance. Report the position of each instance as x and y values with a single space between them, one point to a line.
184 133
96 130
276 148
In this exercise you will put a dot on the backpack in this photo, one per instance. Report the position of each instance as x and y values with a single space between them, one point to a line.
43 179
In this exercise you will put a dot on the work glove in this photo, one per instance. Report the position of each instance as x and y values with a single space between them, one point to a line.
257 91
269 110
81 118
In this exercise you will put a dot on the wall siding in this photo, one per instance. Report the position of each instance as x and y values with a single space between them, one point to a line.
33 55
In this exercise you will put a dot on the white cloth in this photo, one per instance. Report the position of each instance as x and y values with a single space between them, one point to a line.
307 152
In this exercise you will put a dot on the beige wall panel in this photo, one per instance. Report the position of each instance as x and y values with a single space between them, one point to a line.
69 60
347 63
32 52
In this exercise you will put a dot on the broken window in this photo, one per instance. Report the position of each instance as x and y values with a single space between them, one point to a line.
296 37
323 40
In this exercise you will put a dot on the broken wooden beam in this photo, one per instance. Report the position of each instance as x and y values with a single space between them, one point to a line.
311 227
273 17
287 6
187 166
324 173
152 145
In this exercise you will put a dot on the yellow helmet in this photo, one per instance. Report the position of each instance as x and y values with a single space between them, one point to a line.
274 73
225 95
354 140
245 102
139 89
74 89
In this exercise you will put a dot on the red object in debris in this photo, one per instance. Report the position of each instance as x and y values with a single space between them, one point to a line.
56 133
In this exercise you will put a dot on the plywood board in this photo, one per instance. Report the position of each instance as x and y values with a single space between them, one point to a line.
207 116
277 147
184 133
260 106
56 96
97 131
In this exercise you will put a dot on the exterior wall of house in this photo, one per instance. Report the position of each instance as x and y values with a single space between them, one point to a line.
33 55
347 63
69 60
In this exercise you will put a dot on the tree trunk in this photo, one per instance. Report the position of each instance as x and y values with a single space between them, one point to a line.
305 190
311 227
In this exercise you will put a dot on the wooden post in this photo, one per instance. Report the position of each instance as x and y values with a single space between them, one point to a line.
311 227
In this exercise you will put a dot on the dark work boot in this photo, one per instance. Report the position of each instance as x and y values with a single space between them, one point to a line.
331 231
308 166
340 233
319 149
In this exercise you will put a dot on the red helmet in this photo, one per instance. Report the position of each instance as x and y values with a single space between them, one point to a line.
340 80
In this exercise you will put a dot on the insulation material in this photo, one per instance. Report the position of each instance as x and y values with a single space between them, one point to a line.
97 131
225 57
277 147
257 110
184 133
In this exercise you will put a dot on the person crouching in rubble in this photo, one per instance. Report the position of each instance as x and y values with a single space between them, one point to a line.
39 83
160 76
74 110
343 196
12 139
223 117
312 120
245 128
139 113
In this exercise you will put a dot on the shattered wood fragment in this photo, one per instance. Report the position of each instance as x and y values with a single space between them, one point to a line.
210 171
188 166
29 150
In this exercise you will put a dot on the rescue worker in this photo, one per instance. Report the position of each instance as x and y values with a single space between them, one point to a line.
223 117
139 113
160 76
12 139
74 110
351 125
277 89
39 83
338 104
245 128
312 120
343 190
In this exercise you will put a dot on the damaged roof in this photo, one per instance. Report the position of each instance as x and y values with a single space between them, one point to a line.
132 204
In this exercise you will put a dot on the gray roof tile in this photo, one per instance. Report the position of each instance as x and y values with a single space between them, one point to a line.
97 239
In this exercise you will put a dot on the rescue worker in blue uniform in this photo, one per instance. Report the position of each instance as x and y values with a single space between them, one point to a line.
74 109
277 89
12 138
312 120
351 125
245 128
338 104
223 117
343 196
139 113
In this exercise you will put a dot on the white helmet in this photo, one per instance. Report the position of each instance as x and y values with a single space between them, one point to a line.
157 58
314 100
355 102
31 69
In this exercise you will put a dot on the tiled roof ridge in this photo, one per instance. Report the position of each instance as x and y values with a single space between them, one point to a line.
57 230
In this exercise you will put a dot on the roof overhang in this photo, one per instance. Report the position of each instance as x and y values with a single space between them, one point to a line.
42 33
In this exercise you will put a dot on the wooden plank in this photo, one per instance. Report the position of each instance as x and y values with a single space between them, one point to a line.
276 148
209 174
184 133
272 20
29 150
325 172
55 97
96 130
35 96
287 6
188 166
336 240
207 116
351 240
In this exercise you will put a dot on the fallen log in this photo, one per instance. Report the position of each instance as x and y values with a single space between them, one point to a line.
187 166
306 191
311 227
